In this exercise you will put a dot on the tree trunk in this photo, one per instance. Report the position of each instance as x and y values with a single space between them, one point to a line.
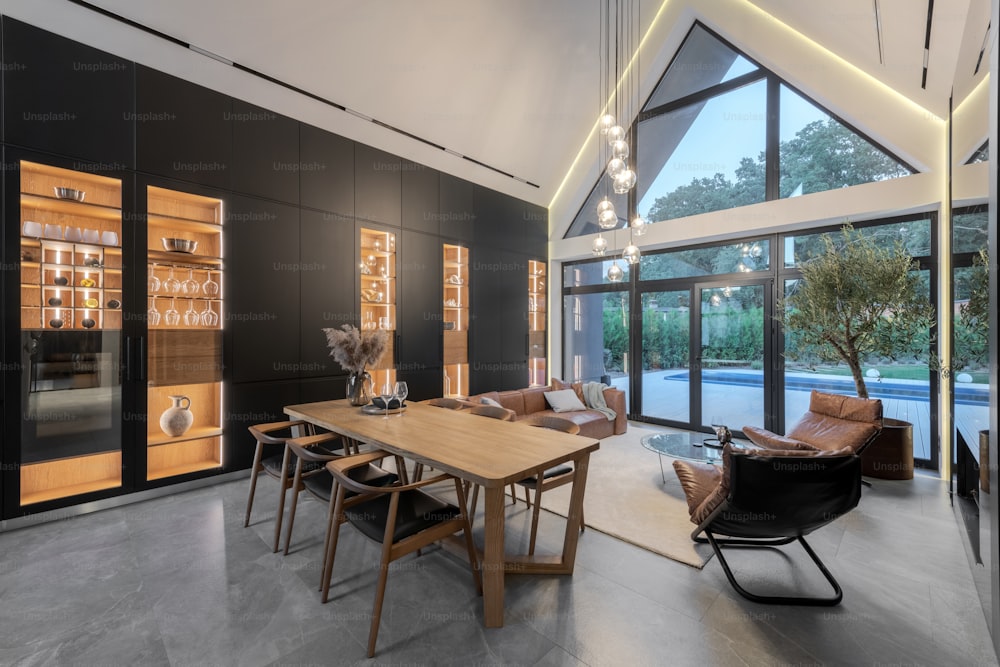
859 379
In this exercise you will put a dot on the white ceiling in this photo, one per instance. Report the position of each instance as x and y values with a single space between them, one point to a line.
514 83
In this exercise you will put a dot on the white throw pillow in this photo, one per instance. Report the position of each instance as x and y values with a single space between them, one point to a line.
486 400
564 400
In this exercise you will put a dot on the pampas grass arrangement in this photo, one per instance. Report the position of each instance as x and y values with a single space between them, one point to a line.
355 350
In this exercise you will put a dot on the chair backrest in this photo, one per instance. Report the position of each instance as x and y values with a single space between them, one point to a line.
445 402
554 422
787 496
834 421
493 411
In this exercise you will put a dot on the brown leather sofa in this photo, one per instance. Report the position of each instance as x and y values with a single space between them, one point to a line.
593 424
833 421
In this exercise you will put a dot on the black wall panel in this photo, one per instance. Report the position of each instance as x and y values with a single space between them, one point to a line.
263 268
327 175
457 213
421 197
67 98
183 130
419 302
378 185
265 153
256 403
326 279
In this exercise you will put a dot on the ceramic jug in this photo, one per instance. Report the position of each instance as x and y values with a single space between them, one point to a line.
177 419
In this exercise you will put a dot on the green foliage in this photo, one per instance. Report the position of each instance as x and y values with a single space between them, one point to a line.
973 321
857 299
823 155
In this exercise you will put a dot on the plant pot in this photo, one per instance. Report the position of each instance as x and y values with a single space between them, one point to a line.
890 456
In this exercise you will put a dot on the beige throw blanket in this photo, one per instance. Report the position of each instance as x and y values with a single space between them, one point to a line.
593 396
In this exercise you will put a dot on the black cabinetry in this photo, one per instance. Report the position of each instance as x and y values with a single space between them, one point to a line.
66 98
421 197
378 186
326 279
457 214
265 153
327 175
183 130
420 309
263 261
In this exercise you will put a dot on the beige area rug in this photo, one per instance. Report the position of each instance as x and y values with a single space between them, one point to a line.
627 499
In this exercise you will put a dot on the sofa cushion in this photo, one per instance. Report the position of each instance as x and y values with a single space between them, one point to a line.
577 387
534 399
486 400
512 400
564 400
768 440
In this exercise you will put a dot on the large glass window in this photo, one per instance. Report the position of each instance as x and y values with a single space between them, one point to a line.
596 338
970 361
666 380
704 157
818 153
743 257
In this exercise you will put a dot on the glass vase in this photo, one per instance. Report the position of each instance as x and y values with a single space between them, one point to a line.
359 388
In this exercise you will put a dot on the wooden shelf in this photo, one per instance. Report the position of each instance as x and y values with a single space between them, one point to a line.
183 224
72 476
70 207
173 471
195 433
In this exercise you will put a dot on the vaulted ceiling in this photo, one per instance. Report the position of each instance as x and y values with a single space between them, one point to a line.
514 84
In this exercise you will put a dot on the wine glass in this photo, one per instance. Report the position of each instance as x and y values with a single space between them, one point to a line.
171 284
172 318
190 286
154 314
386 393
209 317
191 316
210 287
401 391
154 282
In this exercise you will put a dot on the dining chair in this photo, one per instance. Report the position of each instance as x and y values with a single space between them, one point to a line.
550 478
312 476
268 458
503 414
402 518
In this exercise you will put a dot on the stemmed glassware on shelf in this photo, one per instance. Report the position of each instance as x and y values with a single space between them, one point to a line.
171 284
190 286
209 318
153 314
154 282
210 287
191 316
172 318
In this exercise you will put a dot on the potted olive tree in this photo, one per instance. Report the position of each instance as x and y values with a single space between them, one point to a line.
858 300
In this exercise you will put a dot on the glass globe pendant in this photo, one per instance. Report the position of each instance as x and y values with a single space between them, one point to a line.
616 133
638 225
616 166
600 246
624 181
607 122
619 149
631 254
606 216
615 273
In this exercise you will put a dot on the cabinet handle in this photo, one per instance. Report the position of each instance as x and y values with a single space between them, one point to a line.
128 358
142 358
527 345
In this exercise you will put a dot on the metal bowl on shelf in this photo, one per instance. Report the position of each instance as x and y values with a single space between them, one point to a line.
70 193
179 245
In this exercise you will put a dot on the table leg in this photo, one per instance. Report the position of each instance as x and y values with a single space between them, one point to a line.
493 558
662 476
575 513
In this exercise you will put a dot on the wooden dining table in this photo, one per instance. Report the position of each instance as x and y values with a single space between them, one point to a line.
484 451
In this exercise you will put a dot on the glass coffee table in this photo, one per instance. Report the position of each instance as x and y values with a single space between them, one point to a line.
688 445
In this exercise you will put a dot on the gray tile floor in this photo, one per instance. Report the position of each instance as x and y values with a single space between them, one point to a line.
179 581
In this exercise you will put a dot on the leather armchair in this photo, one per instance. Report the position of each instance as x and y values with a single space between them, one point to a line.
833 421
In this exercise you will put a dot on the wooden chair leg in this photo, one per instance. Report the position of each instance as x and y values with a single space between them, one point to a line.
383 575
281 498
331 550
254 473
513 494
296 486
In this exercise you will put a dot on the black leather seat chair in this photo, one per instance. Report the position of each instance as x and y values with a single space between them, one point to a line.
769 498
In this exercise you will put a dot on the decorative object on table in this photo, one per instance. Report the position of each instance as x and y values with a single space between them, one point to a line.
723 436
355 351
177 419
69 193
